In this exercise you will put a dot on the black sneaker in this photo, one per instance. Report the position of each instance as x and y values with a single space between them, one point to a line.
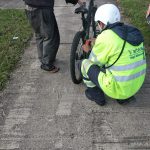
51 69
125 101
96 95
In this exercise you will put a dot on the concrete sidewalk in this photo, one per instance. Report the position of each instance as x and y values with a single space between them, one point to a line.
42 111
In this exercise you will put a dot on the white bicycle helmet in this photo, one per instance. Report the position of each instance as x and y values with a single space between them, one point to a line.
107 14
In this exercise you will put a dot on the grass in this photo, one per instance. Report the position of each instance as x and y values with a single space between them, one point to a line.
14 35
135 11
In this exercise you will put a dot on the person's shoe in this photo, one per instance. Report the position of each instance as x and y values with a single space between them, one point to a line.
125 101
51 69
95 94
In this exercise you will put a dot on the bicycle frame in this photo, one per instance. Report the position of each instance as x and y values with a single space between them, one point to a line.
89 19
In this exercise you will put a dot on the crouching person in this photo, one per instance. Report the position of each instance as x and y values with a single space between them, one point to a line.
116 65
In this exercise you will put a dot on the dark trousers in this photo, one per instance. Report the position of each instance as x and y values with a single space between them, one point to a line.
44 24
93 74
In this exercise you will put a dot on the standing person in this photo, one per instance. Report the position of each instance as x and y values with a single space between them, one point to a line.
40 14
116 65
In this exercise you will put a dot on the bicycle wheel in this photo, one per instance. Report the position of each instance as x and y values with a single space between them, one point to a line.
76 56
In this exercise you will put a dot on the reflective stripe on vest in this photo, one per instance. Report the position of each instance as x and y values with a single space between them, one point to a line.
130 77
128 67
93 58
89 83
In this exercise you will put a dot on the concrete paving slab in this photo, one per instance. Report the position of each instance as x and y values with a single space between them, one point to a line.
6 4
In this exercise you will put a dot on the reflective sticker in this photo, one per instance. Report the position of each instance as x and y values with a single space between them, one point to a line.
128 67
89 83
93 58
131 77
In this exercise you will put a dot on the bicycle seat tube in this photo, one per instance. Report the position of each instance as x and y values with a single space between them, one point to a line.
89 17
84 22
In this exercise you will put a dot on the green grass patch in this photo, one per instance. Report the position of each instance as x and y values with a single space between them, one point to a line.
135 10
14 35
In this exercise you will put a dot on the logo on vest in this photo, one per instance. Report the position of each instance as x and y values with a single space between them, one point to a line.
136 52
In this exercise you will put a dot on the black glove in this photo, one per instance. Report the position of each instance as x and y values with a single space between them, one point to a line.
72 1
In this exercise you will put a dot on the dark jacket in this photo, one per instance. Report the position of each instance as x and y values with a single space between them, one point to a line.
46 3
134 36
40 3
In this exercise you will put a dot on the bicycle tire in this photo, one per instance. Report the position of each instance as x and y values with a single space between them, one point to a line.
74 56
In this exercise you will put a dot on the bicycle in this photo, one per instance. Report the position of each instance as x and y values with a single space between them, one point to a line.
77 54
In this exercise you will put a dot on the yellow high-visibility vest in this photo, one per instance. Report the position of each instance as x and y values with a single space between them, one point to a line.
126 76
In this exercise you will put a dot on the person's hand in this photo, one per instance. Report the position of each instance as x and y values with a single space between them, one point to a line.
148 11
80 2
92 41
87 46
